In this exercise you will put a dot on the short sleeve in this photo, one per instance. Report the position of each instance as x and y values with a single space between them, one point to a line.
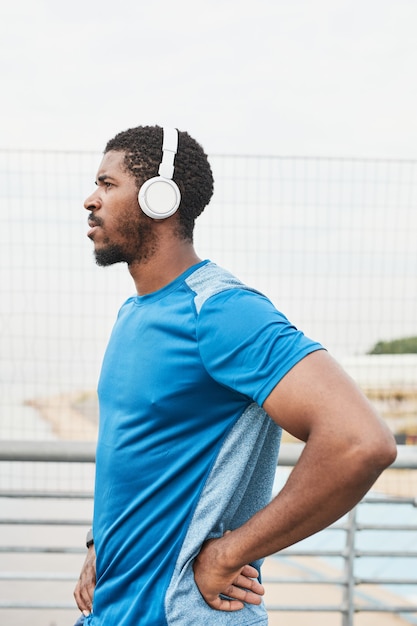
246 344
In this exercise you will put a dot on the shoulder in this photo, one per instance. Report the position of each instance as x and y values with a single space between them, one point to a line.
210 280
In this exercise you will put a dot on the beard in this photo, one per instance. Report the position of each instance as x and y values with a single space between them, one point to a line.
140 244
110 255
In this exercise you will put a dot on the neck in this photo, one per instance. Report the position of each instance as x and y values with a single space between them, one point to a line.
171 260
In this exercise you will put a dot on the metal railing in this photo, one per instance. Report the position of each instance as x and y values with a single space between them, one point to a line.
346 579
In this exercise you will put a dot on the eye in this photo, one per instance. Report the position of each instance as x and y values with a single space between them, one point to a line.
103 181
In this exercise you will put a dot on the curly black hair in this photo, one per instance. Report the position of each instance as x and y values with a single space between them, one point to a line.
192 172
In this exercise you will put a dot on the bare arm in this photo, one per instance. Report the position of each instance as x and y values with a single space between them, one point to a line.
347 447
84 589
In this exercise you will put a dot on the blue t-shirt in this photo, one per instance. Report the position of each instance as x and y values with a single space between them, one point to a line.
185 451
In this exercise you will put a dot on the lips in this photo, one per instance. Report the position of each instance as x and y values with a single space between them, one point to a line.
94 223
90 233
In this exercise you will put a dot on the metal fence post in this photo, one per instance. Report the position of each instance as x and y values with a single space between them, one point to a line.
349 591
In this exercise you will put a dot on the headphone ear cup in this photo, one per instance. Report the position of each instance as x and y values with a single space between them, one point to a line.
159 197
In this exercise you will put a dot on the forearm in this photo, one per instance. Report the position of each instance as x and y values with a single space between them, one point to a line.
320 490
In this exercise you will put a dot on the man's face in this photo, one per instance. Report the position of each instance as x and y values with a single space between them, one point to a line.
119 229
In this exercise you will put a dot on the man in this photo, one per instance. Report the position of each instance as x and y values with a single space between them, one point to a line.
200 375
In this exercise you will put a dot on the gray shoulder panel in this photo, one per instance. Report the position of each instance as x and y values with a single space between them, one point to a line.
209 280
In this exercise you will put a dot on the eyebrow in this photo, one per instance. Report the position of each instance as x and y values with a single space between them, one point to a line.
104 177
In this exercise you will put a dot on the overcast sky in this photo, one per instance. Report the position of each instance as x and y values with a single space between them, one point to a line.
276 77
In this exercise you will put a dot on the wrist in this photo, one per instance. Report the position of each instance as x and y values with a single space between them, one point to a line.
238 548
89 540
225 553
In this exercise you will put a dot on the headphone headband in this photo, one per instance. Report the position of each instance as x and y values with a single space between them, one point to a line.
159 197
169 150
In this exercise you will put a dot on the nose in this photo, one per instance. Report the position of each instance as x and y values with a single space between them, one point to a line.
93 202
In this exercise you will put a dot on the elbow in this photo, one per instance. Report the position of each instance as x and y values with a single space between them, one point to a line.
389 452
378 452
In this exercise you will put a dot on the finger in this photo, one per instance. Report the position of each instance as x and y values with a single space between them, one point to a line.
242 595
222 604
78 598
250 571
84 597
250 584
88 597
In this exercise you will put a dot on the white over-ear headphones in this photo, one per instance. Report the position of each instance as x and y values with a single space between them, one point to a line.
159 197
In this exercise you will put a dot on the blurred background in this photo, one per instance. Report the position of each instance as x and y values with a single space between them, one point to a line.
307 112
307 77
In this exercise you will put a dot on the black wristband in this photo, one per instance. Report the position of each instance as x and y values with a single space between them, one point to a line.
89 541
